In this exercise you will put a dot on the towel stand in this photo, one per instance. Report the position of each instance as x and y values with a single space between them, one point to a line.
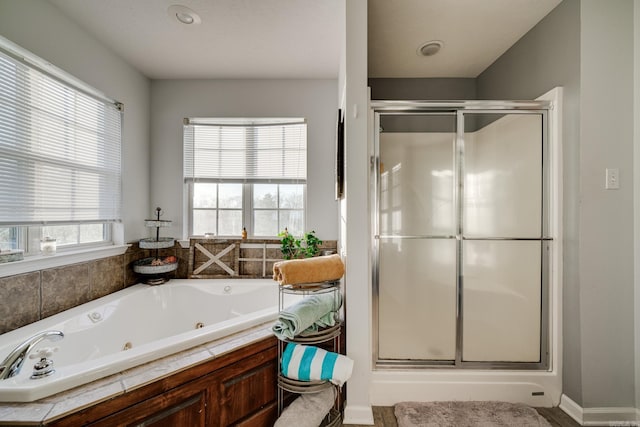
328 338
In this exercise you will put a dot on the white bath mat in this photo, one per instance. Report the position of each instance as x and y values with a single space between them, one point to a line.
467 414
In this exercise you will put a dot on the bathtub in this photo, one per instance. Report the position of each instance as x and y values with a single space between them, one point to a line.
136 325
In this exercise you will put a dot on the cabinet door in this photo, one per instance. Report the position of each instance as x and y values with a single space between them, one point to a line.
182 406
245 393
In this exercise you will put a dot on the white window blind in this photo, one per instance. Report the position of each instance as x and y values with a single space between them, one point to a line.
245 150
60 150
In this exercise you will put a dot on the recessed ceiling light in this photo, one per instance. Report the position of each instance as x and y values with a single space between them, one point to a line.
430 48
183 14
185 18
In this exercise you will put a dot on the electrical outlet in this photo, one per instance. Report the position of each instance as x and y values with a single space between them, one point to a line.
612 179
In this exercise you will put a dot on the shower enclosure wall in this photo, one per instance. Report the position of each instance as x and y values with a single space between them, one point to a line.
463 241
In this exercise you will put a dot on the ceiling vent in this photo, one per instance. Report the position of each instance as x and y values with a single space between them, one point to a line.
183 14
430 48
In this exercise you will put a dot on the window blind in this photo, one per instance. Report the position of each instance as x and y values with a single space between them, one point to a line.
60 150
245 150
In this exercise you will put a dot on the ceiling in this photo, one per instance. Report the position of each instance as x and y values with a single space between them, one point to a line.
474 32
236 38
303 38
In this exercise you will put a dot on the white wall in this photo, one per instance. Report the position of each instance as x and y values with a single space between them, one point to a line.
41 28
356 243
315 100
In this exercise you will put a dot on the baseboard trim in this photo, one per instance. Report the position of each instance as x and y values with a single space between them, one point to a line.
620 416
571 408
358 415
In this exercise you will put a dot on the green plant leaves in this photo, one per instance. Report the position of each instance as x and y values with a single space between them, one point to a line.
293 248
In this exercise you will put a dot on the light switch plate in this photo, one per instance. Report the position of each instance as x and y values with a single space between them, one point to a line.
613 179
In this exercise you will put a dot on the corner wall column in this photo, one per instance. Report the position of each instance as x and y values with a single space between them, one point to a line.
355 212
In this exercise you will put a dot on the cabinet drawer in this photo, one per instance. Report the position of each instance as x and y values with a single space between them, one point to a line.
178 407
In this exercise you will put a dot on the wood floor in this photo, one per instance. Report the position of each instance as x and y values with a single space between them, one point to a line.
557 417
383 417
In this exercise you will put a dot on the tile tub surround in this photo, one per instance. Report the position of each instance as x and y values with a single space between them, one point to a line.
63 288
62 404
19 301
29 297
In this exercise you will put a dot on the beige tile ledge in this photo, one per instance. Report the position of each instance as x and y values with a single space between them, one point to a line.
59 405
61 258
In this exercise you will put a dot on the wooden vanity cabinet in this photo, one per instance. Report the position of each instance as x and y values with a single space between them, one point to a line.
244 394
177 408
236 389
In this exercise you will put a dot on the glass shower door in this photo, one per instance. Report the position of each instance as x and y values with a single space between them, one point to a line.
416 225
461 251
502 237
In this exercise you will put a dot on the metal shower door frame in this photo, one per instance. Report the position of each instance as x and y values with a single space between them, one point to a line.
460 109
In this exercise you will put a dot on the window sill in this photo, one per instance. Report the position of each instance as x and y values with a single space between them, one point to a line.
41 262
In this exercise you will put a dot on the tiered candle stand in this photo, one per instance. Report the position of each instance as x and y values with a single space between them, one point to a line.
156 269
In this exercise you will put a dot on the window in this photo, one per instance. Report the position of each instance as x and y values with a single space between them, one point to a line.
60 145
245 173
8 238
276 206
217 208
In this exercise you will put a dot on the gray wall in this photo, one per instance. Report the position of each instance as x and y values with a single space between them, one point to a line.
423 88
636 186
41 28
587 47
636 182
606 217
546 57
433 89
316 100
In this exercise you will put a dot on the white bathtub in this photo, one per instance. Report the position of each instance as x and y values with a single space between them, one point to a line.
154 321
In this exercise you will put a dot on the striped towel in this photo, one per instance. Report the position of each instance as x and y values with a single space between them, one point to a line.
309 363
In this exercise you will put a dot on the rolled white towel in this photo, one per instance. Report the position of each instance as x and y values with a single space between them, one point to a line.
309 363
308 410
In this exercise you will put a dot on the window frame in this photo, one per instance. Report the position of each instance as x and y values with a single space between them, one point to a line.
217 209
280 228
248 179
28 238
247 207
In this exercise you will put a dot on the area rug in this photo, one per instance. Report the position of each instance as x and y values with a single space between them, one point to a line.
467 414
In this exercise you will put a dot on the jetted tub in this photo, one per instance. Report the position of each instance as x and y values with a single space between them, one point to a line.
134 326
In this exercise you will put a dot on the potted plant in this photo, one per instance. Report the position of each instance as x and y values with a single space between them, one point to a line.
305 247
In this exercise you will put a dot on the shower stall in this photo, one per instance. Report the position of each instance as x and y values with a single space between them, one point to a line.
464 208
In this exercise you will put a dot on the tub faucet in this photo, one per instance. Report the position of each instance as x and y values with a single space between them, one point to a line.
12 364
